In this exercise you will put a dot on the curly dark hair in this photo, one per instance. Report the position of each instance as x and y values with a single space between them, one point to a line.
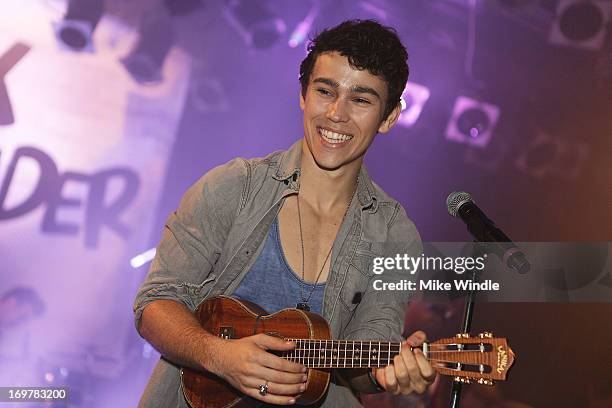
368 45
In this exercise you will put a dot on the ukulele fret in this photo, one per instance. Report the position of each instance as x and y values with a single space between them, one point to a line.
319 353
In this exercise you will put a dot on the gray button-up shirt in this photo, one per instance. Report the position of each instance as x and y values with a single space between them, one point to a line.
216 234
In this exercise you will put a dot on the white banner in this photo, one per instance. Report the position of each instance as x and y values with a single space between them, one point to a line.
83 153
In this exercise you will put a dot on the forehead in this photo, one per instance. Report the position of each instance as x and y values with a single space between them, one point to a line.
332 65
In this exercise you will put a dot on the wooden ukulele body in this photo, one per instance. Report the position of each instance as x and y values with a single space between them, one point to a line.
482 359
232 319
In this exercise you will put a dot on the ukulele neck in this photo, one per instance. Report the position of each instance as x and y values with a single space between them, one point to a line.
344 353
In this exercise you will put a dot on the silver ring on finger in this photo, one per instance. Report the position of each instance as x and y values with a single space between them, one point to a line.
263 389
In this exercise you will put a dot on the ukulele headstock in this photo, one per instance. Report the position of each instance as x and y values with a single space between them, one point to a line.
480 359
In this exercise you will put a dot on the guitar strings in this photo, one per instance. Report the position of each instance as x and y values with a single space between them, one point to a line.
368 344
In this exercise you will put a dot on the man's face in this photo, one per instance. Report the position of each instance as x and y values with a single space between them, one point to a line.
343 111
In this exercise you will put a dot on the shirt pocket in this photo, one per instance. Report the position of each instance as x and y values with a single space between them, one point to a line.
360 274
363 259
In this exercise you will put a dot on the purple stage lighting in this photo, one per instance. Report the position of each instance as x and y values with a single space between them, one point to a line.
146 60
413 100
303 28
254 21
548 156
74 32
472 122
581 23
143 258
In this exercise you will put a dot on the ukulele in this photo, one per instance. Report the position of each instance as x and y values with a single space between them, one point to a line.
468 359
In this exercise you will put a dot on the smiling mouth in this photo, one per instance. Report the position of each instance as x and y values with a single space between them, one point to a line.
333 137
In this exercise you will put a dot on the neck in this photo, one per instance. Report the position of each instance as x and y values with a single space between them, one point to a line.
344 353
326 189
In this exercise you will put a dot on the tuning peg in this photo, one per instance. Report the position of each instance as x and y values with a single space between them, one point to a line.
463 335
463 380
486 335
485 382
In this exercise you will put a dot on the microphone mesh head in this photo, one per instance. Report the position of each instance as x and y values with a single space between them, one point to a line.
455 200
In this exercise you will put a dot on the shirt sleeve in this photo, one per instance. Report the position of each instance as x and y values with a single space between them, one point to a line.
193 238
380 314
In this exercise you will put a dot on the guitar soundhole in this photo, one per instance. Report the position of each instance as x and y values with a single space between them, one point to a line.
226 332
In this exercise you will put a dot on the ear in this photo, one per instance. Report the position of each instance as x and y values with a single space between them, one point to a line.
302 101
388 123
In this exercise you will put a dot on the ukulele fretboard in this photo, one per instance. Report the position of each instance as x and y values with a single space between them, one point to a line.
342 353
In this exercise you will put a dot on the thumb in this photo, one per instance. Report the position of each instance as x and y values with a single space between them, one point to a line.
267 342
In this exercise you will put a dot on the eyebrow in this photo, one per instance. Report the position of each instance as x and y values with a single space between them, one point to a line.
354 88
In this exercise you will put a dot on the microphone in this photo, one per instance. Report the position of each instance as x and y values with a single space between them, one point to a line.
460 204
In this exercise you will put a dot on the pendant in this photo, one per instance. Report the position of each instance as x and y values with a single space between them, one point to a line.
303 306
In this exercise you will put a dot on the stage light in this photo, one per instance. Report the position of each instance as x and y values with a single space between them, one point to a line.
254 21
156 38
74 32
303 28
581 23
548 156
472 122
490 159
143 258
413 100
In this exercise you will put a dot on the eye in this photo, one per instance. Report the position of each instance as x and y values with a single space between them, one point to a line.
362 101
323 91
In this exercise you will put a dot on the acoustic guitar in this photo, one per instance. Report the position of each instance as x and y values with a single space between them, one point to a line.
479 359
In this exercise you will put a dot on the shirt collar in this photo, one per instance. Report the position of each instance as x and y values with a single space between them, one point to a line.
288 171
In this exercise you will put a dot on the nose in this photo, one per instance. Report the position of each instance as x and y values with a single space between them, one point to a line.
337 111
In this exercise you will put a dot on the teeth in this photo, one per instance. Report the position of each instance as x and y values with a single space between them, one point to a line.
333 137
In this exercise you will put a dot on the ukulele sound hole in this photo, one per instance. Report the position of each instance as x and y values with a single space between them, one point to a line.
226 332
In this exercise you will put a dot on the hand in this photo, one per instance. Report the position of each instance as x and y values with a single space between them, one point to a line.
247 365
410 371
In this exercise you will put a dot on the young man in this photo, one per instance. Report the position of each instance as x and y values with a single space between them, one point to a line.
299 227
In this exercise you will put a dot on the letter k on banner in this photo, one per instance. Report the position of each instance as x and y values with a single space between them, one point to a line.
7 62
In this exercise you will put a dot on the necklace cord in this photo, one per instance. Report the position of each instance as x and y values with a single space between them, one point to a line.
302 283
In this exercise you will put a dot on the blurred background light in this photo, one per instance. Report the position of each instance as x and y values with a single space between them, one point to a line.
472 122
75 30
413 100
156 38
300 33
550 157
581 23
256 23
143 258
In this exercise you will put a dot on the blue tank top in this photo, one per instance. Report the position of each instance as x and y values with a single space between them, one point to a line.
272 284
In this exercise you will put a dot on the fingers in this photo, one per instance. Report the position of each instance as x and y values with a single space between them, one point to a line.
276 388
402 371
391 383
272 343
270 360
408 370
379 374
427 371
269 398
280 376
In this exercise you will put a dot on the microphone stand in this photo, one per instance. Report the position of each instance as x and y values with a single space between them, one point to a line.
468 311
